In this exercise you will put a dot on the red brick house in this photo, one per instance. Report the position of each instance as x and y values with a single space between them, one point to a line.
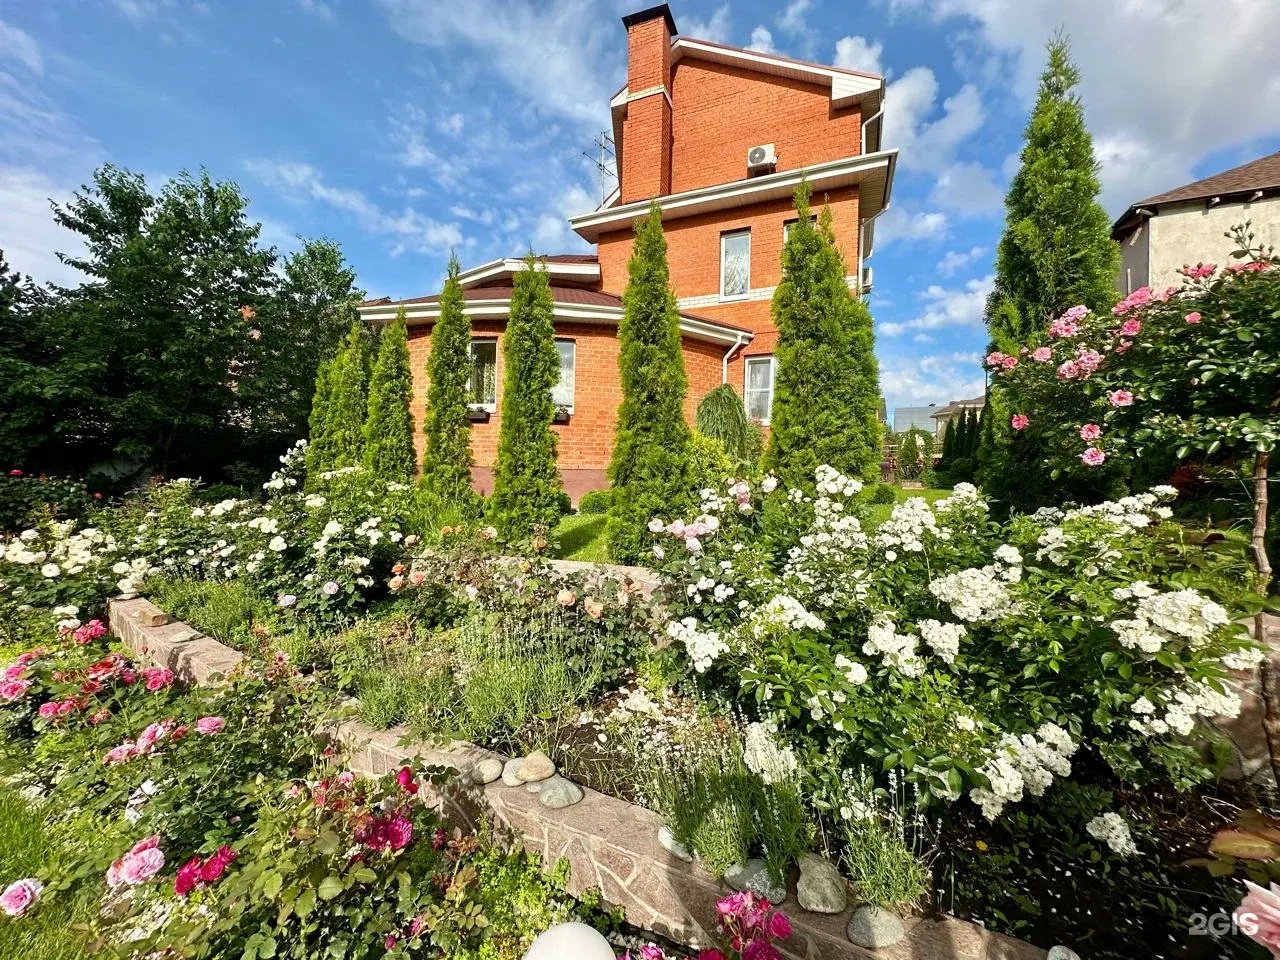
720 137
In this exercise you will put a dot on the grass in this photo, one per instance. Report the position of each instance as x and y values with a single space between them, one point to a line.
581 537
878 513
29 849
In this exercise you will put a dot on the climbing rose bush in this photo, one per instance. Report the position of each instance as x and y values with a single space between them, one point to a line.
985 659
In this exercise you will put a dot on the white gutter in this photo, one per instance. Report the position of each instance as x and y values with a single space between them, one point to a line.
743 340
866 123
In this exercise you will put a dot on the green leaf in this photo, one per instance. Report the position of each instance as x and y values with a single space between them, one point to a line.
305 903
330 887
365 875
271 887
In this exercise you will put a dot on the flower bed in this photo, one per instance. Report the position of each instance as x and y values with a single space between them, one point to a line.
802 693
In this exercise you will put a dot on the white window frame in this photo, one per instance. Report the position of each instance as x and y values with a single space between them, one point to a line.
471 369
786 226
746 384
725 236
573 373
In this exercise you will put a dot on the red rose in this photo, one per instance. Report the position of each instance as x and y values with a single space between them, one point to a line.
188 877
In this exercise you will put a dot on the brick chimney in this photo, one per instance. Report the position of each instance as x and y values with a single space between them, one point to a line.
646 132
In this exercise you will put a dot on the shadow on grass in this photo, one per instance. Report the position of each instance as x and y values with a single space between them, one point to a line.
582 538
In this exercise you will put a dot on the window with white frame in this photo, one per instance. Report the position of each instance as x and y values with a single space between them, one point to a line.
788 224
735 264
562 395
482 385
757 394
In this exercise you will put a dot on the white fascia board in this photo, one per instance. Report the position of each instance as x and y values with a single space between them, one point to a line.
418 313
834 173
496 268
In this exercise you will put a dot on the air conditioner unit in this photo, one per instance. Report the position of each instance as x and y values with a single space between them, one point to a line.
761 158
866 279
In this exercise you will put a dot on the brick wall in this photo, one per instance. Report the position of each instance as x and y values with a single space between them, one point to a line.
720 112
586 441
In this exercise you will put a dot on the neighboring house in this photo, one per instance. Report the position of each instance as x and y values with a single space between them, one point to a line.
954 409
1189 225
720 137
911 418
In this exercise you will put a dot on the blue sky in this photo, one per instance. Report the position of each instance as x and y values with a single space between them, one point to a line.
406 128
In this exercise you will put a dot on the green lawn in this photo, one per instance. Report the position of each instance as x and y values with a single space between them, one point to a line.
28 849
878 513
581 537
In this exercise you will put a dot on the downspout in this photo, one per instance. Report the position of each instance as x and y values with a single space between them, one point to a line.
866 123
862 242
742 341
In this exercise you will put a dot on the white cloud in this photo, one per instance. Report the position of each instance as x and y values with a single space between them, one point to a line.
408 229
947 308
929 144
902 223
792 19
1193 77
958 259
762 40
859 53
452 124
29 236
717 28
559 55
969 188
317 8
19 47
917 381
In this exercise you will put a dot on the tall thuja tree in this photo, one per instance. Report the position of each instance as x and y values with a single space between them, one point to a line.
649 471
949 441
446 461
388 428
348 405
1056 252
319 447
527 490
827 393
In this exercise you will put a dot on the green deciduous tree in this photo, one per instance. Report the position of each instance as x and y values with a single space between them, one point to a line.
388 429
527 490
446 461
721 416
649 471
22 351
828 391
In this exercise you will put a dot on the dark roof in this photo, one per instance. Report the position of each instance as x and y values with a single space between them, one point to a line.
571 258
955 406
574 295
1246 179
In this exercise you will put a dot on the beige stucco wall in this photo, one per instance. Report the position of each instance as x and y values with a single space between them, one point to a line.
1134 262
1191 233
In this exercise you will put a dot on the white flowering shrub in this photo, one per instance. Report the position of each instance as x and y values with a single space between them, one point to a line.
983 659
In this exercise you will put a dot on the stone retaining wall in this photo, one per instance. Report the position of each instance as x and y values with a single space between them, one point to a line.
611 846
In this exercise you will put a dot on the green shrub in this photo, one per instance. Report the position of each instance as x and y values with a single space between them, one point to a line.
721 416
25 501
446 461
649 469
884 493
217 492
594 502
709 464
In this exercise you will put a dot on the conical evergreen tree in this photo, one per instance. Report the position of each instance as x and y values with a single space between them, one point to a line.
319 447
527 490
971 433
827 393
949 441
446 462
650 466
348 403
388 429
1056 250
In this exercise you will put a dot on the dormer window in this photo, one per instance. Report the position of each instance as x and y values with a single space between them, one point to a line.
735 264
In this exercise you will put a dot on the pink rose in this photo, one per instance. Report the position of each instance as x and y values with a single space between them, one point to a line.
216 866
651 951
1192 317
416 577
1093 457
157 679
188 877
995 359
1041 354
1258 915
396 583
346 778
1090 432
1130 328
208 726
779 926
331 588
405 778
1063 327
120 754
1120 398
286 600
12 689
20 895
390 942
1020 421
1089 360
1008 363
593 607
142 866
14 671
47 710
566 598
399 832
710 954
146 843
1068 371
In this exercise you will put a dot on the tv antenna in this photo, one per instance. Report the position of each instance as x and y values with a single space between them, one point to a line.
605 161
